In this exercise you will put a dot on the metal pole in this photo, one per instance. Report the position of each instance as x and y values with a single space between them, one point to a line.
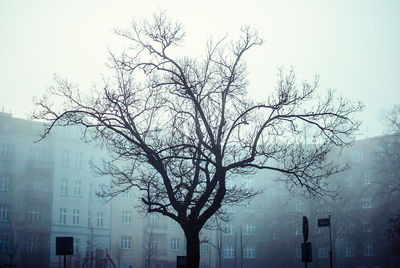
305 249
65 261
330 241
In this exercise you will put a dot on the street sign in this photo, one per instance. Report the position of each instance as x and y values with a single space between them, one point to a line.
64 246
325 222
181 262
305 228
306 252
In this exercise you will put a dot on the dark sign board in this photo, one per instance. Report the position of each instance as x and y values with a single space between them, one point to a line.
305 228
181 262
64 246
323 222
306 252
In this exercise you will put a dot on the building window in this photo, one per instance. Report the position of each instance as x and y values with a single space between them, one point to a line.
366 179
229 229
249 252
350 181
89 218
76 246
298 230
65 158
100 219
63 216
127 194
33 215
359 155
154 247
204 247
3 244
297 252
126 217
229 252
77 188
4 213
5 182
37 154
323 252
126 242
366 202
350 250
7 151
175 244
64 186
31 244
368 226
369 249
75 216
89 246
249 229
78 159
154 220
349 205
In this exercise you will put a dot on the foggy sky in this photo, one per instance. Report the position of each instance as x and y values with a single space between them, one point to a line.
352 45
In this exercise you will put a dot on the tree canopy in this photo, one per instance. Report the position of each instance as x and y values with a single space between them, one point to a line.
178 127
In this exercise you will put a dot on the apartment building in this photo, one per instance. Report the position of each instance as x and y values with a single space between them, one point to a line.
26 178
76 208
47 189
270 232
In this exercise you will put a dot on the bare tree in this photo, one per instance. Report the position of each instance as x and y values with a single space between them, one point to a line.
117 253
218 228
178 127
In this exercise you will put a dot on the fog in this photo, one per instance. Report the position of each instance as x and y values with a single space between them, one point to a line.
353 46
51 189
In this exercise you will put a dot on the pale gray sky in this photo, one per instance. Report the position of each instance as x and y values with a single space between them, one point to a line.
353 45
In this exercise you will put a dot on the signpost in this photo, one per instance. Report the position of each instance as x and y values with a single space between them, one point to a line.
326 222
306 252
181 262
64 246
305 228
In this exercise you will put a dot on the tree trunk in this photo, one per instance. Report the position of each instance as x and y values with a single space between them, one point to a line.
193 248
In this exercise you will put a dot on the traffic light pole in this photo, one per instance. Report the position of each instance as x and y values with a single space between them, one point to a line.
330 241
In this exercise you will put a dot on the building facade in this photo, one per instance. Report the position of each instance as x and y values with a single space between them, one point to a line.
270 234
150 241
47 189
